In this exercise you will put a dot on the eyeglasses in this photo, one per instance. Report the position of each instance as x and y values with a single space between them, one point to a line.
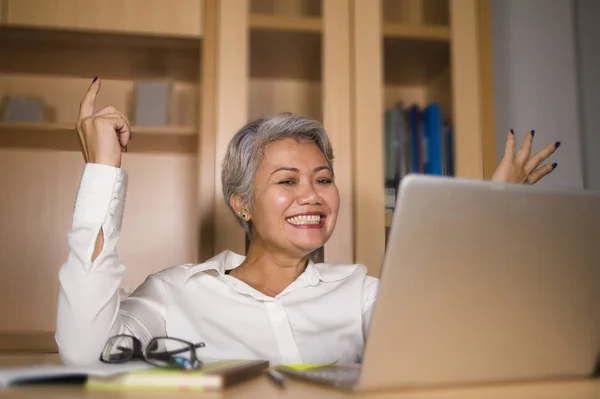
160 351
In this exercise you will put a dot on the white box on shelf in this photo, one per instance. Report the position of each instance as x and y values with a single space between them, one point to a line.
152 100
23 109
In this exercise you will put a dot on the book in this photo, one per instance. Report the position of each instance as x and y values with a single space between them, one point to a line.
49 373
213 376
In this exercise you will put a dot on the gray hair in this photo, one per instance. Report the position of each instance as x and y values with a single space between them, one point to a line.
246 149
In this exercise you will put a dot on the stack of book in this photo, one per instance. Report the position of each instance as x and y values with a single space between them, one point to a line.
416 140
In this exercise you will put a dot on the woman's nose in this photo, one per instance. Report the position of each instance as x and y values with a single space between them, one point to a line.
308 195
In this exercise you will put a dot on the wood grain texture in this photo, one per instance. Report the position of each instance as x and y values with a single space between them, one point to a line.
466 89
232 109
262 387
369 221
152 17
159 227
488 129
337 108
108 55
207 137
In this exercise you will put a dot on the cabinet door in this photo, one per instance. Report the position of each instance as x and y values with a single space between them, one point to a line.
161 17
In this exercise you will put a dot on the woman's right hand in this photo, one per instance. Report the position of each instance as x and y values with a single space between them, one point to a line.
103 135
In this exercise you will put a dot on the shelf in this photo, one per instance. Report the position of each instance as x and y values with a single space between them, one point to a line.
417 32
285 47
110 55
414 55
285 23
51 127
61 136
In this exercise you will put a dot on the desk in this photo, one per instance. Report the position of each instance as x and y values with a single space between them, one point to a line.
262 388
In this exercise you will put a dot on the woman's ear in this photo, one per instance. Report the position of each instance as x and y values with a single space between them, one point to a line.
237 203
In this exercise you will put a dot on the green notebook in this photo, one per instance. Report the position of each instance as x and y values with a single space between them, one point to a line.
213 376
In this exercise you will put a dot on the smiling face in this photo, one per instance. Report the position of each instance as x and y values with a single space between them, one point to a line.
296 201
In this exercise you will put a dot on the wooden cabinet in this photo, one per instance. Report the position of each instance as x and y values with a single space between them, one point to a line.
160 17
340 61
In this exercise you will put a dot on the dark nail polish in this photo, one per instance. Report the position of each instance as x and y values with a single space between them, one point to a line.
533 133
557 144
95 79
512 131
554 165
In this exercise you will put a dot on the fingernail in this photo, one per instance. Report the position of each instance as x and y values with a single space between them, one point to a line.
533 133
95 79
512 131
557 144
554 165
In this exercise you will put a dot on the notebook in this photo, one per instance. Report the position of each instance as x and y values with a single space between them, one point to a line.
47 373
214 375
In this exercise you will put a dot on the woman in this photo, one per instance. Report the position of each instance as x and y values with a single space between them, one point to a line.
272 304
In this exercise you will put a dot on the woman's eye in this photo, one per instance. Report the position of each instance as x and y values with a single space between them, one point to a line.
324 181
287 182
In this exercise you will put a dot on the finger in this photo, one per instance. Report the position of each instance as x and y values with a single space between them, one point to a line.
540 172
86 109
121 127
509 149
525 151
83 148
541 156
112 110
82 145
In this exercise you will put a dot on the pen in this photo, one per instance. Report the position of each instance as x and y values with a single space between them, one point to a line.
277 378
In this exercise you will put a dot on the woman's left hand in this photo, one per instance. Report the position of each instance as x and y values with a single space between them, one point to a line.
521 167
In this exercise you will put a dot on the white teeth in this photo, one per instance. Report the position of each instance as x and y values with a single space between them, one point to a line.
305 219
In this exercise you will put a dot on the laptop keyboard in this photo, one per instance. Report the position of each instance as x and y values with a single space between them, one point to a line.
345 376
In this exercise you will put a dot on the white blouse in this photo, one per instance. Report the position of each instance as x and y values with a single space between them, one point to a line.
321 317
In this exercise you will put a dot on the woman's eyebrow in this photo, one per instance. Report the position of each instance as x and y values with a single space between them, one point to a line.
296 170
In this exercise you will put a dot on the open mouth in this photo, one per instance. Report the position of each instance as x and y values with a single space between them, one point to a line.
306 220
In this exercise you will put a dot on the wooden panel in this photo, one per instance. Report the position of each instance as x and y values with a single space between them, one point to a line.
286 7
284 22
466 93
62 137
232 109
337 122
207 137
369 220
3 9
27 342
285 54
416 12
112 56
159 229
414 62
160 17
488 129
268 96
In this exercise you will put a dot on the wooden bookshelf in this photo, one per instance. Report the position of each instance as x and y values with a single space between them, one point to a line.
342 62
50 128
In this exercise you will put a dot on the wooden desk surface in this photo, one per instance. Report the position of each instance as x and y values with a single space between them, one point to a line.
262 388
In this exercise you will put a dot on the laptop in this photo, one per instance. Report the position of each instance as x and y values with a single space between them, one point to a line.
482 282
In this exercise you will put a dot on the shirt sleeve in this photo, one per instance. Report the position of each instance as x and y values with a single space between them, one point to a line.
370 292
89 304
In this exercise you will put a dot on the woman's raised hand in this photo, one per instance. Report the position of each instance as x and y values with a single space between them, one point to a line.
103 135
521 167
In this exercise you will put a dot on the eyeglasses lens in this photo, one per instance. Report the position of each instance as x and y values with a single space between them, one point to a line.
118 349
